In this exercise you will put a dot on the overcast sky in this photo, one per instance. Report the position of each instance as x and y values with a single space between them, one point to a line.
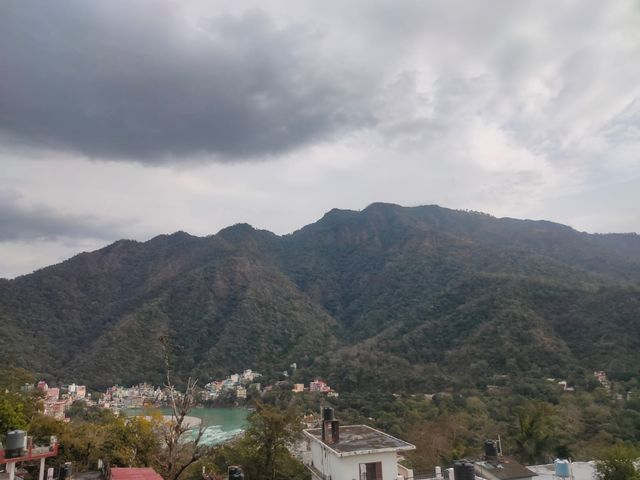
123 119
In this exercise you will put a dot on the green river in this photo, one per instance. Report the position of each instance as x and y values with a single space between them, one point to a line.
222 424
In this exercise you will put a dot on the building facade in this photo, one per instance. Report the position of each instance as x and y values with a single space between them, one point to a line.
355 452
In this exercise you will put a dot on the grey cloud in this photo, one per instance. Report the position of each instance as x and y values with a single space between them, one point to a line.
40 222
145 81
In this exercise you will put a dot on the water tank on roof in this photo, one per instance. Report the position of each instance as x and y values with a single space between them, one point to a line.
65 471
235 473
463 470
490 449
562 468
327 413
16 444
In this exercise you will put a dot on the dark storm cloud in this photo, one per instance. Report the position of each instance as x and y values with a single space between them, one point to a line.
39 222
144 81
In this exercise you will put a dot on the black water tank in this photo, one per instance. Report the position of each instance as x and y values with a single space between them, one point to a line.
235 473
490 449
65 471
463 470
327 413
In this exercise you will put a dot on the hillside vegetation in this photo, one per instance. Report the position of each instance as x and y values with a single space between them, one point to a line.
412 299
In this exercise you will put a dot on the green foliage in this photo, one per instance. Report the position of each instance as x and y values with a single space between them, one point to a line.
18 409
12 378
395 300
617 463
42 427
12 414
535 432
404 300
263 451
95 434
118 441
131 442
534 428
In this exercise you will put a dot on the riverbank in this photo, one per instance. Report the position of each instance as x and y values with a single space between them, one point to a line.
221 424
187 422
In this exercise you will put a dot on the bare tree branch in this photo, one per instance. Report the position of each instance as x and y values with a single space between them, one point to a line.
178 455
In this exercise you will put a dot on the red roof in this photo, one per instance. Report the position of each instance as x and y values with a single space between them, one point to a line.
134 474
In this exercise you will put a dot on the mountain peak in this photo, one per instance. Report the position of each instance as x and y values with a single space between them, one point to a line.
382 206
238 228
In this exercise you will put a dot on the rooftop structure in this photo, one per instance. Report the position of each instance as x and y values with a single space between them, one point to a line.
350 452
361 439
579 471
505 469
20 448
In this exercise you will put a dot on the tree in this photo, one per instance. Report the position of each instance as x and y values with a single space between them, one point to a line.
616 463
177 454
440 441
535 431
270 434
42 427
263 451
131 442
17 409
11 412
12 378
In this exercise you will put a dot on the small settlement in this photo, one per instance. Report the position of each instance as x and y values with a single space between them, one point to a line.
58 399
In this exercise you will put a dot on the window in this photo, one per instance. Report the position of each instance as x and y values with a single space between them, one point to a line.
371 471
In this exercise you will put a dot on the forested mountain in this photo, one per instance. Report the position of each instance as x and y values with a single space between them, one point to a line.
389 297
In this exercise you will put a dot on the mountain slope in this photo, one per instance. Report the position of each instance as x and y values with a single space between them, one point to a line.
392 297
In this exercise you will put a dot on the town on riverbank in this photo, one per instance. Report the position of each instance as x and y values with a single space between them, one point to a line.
236 390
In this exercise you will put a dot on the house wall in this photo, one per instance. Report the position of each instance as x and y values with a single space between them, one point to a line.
348 468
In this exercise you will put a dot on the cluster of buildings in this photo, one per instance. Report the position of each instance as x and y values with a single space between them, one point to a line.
601 376
136 396
317 385
236 383
58 399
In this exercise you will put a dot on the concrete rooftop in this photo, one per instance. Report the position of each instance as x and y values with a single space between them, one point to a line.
360 439
580 471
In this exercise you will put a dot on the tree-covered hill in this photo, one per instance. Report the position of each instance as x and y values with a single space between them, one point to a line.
389 297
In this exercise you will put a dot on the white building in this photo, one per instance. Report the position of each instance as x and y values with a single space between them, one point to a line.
355 452
249 375
579 471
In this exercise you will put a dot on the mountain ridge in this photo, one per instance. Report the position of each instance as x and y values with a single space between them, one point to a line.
357 297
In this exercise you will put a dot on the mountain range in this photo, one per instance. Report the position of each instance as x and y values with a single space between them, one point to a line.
390 297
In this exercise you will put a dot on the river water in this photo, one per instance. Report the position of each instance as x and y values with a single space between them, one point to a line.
222 424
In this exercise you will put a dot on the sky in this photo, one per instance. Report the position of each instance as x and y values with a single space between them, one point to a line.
123 119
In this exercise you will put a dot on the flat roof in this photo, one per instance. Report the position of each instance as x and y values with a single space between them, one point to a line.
359 440
506 469
579 471
134 474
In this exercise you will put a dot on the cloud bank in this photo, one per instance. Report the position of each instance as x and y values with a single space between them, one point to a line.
147 82
130 119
